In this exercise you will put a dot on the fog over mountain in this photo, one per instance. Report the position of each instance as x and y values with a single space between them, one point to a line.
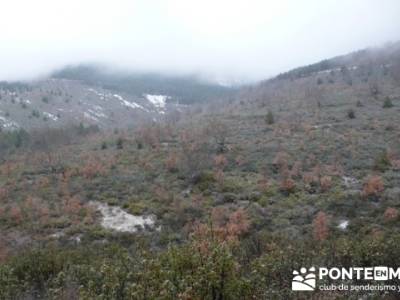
222 40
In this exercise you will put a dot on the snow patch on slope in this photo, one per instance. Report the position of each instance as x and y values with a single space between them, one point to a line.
104 96
8 124
98 114
89 116
50 116
343 224
349 181
159 101
117 219
101 95
129 104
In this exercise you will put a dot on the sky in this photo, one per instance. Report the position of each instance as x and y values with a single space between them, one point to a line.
244 40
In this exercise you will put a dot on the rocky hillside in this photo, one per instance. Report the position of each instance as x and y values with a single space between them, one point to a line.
92 97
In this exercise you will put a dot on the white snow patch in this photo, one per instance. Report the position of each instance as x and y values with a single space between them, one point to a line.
89 116
132 104
349 181
8 124
97 114
101 95
329 70
323 126
57 235
129 104
158 101
343 224
98 107
117 219
77 238
50 116
118 97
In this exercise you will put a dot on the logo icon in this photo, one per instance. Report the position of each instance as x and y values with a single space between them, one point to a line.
305 280
381 273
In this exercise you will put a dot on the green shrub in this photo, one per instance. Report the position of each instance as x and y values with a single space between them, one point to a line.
35 113
351 114
255 267
120 143
269 118
387 103
204 180
382 162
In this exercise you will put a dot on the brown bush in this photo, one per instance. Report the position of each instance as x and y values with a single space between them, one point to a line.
195 154
162 193
90 214
333 170
93 168
171 163
225 227
3 193
238 223
219 177
72 206
280 161
67 174
218 132
373 186
263 184
220 161
287 185
320 227
4 251
43 182
197 200
239 160
326 183
296 170
152 135
219 216
7 168
16 214
36 210
395 164
310 178
391 214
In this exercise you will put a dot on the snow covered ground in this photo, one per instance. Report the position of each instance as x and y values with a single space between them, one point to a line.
127 103
159 101
343 224
8 124
50 116
117 219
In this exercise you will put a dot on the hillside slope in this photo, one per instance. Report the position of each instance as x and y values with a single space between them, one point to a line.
92 96
224 202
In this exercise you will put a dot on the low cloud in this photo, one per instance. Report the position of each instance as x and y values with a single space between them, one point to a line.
246 40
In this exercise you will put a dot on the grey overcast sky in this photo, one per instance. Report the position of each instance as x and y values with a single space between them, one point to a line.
228 39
